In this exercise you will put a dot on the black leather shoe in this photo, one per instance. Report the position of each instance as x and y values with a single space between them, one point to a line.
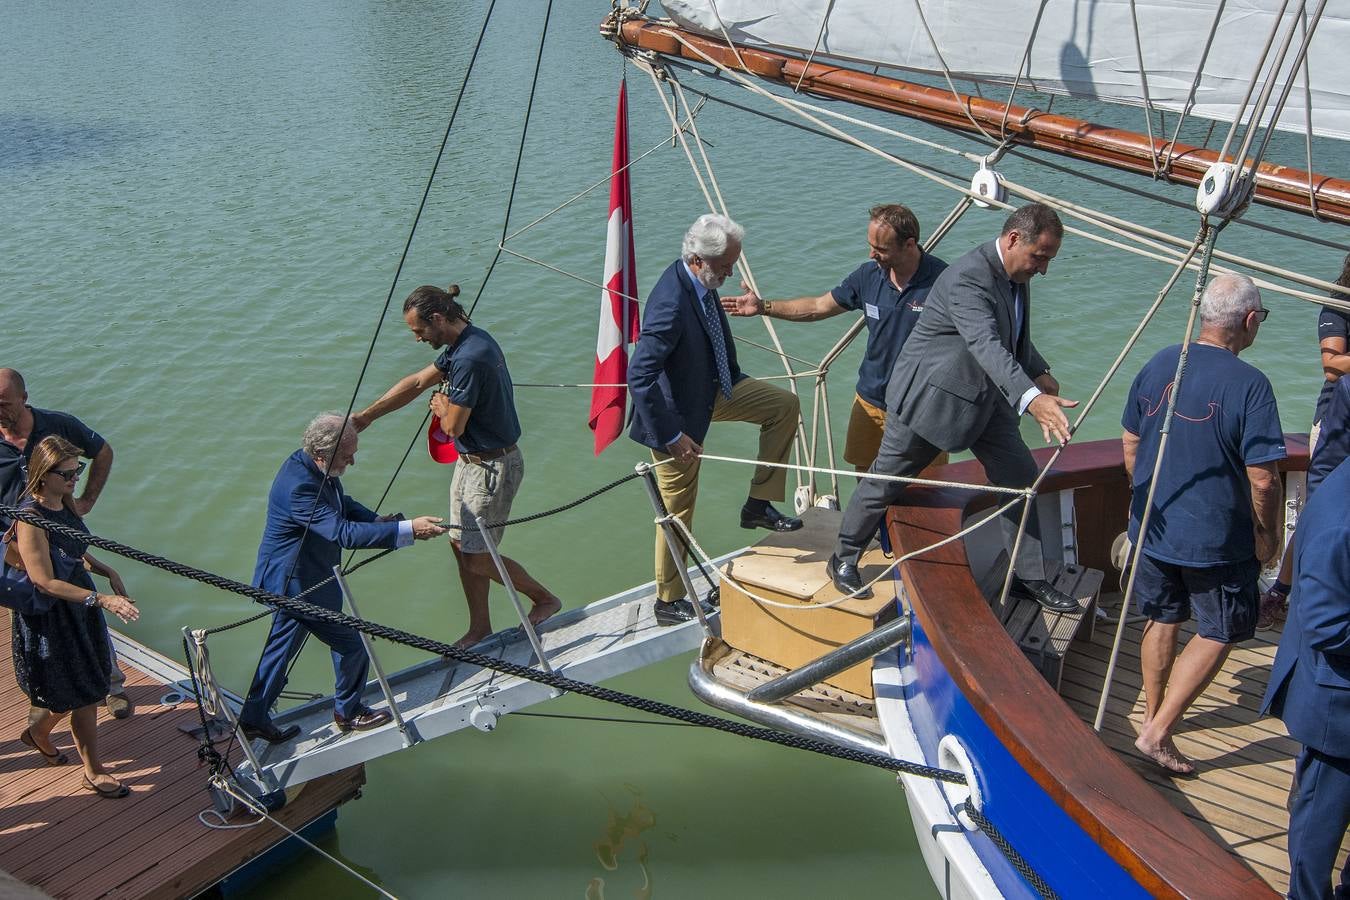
269 732
365 720
771 519
1046 594
677 612
846 578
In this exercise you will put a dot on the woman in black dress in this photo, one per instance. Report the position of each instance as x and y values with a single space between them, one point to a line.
61 658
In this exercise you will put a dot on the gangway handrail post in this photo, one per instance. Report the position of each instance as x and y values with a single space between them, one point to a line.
526 625
672 543
222 708
408 738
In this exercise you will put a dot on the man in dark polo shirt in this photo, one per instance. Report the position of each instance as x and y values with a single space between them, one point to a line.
1215 516
889 290
22 428
477 410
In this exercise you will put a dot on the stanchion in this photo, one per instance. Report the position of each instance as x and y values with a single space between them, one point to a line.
408 737
673 544
525 624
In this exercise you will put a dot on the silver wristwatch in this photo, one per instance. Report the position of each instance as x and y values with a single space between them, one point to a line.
92 599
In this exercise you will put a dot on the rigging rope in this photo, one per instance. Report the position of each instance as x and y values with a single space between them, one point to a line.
520 155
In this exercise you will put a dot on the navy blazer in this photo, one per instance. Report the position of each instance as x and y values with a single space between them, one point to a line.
1310 681
1333 445
338 522
673 374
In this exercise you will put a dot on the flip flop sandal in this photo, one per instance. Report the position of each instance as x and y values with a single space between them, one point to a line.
110 793
52 759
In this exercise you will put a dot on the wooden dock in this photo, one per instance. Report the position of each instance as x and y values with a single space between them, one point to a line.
68 842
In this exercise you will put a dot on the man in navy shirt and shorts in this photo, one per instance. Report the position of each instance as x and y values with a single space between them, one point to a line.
477 410
889 290
1215 515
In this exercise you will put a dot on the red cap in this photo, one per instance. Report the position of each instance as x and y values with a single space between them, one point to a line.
439 445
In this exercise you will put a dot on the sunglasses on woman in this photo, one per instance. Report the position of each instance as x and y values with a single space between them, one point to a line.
70 474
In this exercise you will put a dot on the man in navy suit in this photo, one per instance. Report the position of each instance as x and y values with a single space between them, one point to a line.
1310 690
309 522
683 377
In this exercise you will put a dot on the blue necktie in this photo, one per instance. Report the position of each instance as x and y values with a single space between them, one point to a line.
719 342
1017 316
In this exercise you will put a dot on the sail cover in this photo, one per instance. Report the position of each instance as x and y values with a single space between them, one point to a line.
1082 48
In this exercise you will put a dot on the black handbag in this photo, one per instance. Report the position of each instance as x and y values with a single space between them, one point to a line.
17 591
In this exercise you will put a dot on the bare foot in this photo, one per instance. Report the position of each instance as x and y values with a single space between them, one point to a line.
470 638
1166 755
544 609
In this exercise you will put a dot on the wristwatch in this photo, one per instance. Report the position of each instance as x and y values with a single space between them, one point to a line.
768 305
92 599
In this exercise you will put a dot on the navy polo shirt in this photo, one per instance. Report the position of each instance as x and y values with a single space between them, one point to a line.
476 371
1225 421
1331 322
46 422
890 316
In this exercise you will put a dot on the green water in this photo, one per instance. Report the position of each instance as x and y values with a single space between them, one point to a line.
201 212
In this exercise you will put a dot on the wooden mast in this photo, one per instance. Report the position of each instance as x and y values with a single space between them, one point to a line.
1276 185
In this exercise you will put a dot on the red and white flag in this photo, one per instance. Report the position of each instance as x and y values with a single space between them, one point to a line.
619 320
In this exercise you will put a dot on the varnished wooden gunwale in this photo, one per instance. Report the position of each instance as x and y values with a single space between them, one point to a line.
1135 825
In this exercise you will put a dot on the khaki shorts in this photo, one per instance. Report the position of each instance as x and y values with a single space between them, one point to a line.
483 490
865 424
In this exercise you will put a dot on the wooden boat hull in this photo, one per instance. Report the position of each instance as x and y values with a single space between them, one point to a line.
1084 821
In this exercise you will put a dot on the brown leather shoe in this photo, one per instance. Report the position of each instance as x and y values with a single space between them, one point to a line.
365 720
119 705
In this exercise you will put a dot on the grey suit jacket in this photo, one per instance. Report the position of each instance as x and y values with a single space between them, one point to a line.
960 365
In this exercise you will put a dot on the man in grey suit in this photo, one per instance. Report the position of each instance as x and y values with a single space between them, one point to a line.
964 376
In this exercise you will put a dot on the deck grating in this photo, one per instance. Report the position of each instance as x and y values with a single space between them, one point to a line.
150 844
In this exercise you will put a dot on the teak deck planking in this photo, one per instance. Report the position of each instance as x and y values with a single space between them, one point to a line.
68 842
1244 761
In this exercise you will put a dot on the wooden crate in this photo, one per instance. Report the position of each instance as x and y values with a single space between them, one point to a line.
789 568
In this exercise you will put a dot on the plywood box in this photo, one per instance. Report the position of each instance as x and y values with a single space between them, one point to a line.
789 568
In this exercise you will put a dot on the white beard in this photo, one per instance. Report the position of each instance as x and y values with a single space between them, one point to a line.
711 281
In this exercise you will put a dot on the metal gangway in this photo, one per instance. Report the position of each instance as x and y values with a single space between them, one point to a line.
606 638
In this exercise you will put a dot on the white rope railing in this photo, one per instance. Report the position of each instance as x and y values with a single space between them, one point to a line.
704 558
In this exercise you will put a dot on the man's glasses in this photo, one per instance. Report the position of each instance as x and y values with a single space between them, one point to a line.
1261 314
70 474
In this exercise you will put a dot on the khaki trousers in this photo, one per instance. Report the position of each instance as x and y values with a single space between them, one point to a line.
775 411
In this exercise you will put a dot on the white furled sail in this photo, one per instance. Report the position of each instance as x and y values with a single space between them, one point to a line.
1082 48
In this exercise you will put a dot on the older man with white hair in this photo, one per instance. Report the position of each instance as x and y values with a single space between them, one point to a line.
684 376
1214 519
310 520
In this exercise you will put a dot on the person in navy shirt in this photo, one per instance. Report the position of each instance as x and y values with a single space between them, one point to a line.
477 410
889 290
1333 331
22 428
1310 691
1215 511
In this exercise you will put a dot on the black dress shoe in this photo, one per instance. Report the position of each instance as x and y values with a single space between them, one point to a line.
677 612
771 519
846 578
269 732
1046 594
365 720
